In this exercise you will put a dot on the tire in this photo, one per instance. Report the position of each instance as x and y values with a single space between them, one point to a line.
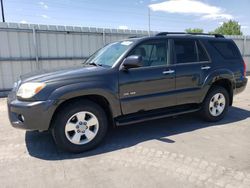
79 126
215 105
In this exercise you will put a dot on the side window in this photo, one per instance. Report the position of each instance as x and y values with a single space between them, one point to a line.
185 51
202 52
227 49
153 53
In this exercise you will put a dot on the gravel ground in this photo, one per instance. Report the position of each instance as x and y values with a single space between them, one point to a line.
177 152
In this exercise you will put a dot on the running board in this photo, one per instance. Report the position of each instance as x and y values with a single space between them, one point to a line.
147 116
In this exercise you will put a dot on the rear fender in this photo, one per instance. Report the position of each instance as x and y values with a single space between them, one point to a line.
215 76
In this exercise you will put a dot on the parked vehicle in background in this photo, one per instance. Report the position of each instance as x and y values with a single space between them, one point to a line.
130 81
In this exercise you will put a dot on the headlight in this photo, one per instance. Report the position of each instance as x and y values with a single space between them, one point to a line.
28 90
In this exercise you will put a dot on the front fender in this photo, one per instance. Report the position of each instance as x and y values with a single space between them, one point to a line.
71 91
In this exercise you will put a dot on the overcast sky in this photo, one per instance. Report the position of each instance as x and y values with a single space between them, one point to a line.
171 15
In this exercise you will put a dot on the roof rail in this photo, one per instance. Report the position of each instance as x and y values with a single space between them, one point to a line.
183 33
134 36
207 34
170 33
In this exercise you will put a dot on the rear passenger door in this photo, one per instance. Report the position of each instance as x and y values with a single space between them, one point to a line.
192 67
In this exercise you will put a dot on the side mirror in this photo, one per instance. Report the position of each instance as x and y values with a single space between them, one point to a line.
132 61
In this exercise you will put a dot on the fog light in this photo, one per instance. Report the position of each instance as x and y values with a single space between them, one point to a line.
21 117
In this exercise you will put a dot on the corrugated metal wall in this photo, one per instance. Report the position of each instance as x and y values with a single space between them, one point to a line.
25 48
243 43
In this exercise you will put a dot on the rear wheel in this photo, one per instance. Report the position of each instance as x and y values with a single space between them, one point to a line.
215 105
79 126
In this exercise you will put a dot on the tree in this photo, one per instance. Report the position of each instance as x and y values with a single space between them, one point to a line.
229 28
194 30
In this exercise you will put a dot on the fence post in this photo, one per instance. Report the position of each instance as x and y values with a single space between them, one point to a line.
35 47
103 37
244 45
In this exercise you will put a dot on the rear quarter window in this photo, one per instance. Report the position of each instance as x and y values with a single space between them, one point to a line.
226 49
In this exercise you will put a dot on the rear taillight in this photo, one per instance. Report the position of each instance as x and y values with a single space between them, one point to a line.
245 69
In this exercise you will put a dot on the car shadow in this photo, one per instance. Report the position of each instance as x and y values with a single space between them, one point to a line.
41 145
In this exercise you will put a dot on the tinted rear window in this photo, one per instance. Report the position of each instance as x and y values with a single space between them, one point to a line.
185 51
202 53
227 49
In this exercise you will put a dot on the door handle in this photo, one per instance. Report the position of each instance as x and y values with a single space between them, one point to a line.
205 67
168 71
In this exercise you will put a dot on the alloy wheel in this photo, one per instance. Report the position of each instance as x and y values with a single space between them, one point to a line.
81 128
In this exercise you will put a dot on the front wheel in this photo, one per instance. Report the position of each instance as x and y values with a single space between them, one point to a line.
215 105
79 126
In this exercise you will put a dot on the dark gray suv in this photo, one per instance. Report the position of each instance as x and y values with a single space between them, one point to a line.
127 82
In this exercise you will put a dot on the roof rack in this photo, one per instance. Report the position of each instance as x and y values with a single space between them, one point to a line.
183 33
170 33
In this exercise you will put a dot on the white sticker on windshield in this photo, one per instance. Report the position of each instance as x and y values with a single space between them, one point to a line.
126 43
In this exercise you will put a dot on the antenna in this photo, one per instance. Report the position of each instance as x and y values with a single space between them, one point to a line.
2 11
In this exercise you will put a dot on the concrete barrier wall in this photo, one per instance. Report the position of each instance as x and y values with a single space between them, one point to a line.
29 47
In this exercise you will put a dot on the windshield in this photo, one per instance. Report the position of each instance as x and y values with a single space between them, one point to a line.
108 55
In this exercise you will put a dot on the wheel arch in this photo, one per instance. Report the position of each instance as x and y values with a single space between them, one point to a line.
98 99
227 84
223 78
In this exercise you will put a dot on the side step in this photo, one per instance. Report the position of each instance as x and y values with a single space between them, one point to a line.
152 115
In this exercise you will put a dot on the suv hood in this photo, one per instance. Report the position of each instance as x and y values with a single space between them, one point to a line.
60 74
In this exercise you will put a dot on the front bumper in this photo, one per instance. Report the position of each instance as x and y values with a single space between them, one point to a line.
35 115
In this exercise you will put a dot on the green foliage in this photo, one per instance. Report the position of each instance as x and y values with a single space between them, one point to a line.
194 30
229 28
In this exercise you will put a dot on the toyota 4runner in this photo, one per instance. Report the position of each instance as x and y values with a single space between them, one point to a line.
130 81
